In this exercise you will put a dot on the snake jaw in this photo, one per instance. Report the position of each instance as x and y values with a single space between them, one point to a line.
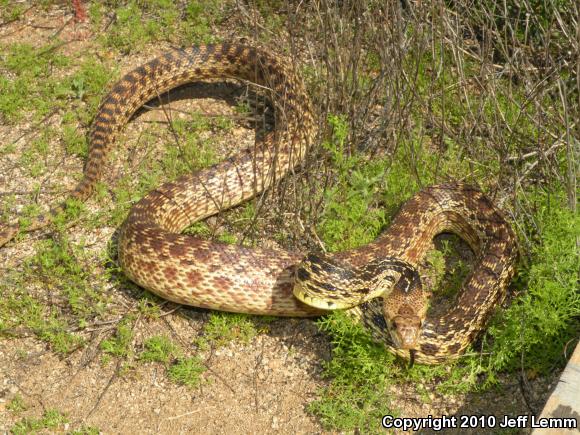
306 296
323 282
405 331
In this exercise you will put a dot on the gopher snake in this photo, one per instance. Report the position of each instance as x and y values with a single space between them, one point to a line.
191 271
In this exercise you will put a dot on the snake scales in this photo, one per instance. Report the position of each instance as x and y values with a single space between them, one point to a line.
202 273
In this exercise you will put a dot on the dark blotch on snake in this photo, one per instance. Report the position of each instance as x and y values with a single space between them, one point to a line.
302 274
429 349
379 320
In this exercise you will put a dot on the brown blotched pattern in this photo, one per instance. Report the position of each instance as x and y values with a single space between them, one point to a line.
193 271
260 281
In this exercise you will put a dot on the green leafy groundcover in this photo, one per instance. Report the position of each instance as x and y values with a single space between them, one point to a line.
538 327
540 323
533 333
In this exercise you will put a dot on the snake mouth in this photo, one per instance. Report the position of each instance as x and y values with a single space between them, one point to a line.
322 283
314 301
405 331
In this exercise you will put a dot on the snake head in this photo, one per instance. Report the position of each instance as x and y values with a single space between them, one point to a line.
405 309
405 328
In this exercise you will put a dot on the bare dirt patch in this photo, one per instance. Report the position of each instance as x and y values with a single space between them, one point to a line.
261 387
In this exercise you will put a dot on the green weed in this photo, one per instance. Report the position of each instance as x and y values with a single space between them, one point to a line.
223 328
16 404
360 372
448 270
351 217
187 371
149 305
31 88
182 370
10 11
159 349
86 430
120 344
29 83
536 328
138 23
60 268
50 420
200 17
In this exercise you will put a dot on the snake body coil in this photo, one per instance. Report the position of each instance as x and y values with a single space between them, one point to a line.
197 272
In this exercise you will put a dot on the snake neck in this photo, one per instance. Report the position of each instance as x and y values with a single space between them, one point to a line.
326 283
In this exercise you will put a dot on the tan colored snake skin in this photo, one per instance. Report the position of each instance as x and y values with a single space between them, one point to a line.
260 281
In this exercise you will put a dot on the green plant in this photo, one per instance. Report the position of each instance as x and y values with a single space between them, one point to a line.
187 371
200 16
86 430
51 419
10 11
360 373
223 328
60 267
537 328
159 349
16 404
139 23
351 217
120 344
